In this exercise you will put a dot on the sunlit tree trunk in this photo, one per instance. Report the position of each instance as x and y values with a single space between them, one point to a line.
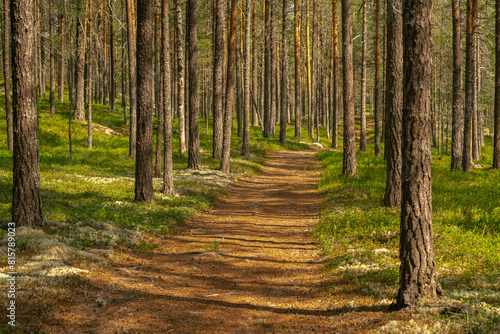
457 117
298 102
284 74
335 98
377 78
245 151
218 63
496 126
362 135
7 74
179 55
80 63
131 37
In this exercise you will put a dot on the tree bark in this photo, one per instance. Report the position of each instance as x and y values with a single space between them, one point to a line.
298 102
218 63
26 202
194 159
457 127
377 78
349 157
255 121
7 75
362 135
418 277
112 95
267 70
496 127
470 75
284 76
228 114
335 102
179 55
144 147
60 75
80 63
168 179
160 97
394 103
245 151
308 75
131 37
90 67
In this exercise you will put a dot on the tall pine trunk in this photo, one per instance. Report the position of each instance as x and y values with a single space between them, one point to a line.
362 135
131 37
245 151
26 202
377 78
457 117
417 275
284 75
144 147
218 63
496 126
7 74
298 102
80 63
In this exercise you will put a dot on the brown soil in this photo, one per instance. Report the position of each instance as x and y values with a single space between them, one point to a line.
248 266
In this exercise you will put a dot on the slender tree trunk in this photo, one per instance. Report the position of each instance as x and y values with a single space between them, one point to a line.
41 45
418 278
112 95
457 127
60 74
377 78
284 75
267 70
179 55
349 161
124 74
228 115
218 63
131 37
362 135
298 84
394 103
90 67
7 74
159 103
80 63
168 179
255 121
194 160
245 151
335 111
496 127
308 74
469 83
144 147
26 202
52 96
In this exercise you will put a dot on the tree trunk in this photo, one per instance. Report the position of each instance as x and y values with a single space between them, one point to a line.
298 84
245 151
90 67
194 160
80 64
218 63
267 70
457 127
284 75
377 78
335 102
144 154
418 277
394 103
362 135
159 103
470 75
496 127
52 96
255 121
26 202
112 94
228 115
168 179
349 160
7 74
308 75
131 37
179 55
60 74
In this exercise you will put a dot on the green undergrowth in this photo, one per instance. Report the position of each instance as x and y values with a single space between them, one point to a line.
361 237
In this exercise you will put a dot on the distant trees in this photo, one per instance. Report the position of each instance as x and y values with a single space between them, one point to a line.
26 202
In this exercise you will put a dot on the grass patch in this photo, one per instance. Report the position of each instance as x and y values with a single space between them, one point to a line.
361 236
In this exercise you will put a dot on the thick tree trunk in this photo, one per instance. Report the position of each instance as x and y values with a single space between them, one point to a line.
470 75
194 159
7 74
496 126
144 147
245 151
26 202
349 161
377 78
418 277
218 63
131 37
80 64
457 127
179 55
168 179
362 135
298 102
284 75
394 103
228 114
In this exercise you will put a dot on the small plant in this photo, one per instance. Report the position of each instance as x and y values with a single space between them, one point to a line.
212 246
145 246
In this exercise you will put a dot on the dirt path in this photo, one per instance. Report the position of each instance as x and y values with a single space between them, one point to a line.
248 266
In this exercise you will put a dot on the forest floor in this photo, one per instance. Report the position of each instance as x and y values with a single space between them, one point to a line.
250 265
